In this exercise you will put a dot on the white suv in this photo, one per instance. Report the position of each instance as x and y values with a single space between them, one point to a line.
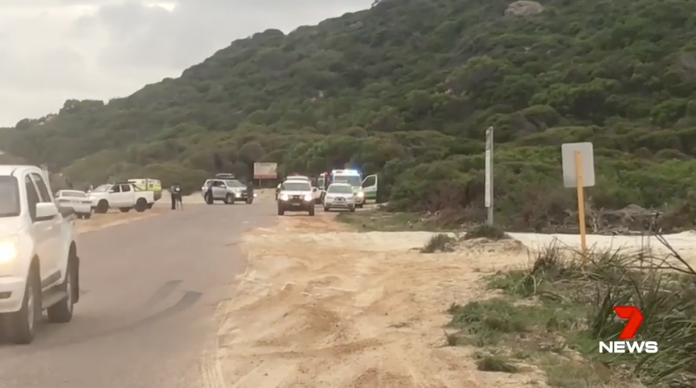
39 266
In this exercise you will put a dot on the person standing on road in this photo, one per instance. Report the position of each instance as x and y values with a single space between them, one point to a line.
175 192
209 193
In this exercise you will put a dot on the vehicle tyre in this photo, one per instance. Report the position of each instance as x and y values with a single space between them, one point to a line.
250 201
124 209
326 208
62 311
87 216
140 205
229 199
102 207
281 211
150 205
311 210
352 209
23 322
359 206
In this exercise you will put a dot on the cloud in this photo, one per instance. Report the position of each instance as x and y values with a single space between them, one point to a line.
53 50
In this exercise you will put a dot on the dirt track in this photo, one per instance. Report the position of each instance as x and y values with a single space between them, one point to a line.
320 306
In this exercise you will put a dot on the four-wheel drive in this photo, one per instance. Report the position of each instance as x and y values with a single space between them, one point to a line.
39 266
226 190
123 196
295 196
339 196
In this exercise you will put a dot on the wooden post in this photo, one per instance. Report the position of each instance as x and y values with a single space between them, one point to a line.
581 201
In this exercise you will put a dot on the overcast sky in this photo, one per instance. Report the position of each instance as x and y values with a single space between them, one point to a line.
53 50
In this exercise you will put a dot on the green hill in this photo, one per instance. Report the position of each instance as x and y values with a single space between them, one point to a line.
407 88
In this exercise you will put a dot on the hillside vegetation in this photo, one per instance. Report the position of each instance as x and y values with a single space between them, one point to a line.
407 89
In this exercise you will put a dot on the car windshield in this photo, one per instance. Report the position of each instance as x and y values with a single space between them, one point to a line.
340 189
72 194
234 183
9 197
101 189
353 180
297 186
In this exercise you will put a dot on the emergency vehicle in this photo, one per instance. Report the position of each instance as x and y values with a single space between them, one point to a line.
363 188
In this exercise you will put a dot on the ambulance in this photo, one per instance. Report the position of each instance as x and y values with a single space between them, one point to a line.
363 188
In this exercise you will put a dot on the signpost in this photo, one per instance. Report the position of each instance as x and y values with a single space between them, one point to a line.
489 175
579 172
265 170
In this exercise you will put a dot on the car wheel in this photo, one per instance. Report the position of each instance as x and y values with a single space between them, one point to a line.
352 209
326 209
281 211
140 205
249 201
23 322
87 216
359 206
150 205
102 207
62 311
229 199
311 210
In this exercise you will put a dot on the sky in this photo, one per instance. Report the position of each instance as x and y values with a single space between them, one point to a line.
54 50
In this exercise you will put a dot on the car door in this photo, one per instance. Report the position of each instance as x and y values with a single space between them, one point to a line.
46 231
219 190
369 186
127 196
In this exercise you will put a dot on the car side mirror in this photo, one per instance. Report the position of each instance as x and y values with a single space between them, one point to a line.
46 210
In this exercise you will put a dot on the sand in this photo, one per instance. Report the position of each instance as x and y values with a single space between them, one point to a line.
324 306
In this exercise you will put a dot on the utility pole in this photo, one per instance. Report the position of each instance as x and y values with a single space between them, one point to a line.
489 174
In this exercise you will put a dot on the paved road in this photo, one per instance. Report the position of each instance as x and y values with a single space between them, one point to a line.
149 293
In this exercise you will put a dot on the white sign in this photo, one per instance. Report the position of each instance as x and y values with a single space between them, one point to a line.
614 347
265 170
586 167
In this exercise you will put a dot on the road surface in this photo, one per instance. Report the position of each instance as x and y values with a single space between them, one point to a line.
150 289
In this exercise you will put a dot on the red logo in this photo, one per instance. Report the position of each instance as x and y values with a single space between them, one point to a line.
635 318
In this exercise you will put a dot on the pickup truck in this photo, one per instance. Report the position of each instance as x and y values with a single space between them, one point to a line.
123 196
39 263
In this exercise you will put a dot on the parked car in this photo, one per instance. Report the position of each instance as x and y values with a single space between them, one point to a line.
39 263
339 196
77 200
228 191
123 196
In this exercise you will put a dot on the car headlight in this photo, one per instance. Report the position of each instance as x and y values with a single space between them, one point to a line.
283 197
308 197
360 194
238 194
8 250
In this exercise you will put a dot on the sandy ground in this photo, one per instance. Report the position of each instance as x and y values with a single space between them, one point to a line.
322 306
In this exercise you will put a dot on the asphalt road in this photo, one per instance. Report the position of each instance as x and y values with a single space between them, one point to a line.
149 293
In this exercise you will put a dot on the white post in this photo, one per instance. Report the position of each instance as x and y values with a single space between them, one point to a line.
489 175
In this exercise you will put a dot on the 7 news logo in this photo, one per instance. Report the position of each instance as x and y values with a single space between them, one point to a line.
635 318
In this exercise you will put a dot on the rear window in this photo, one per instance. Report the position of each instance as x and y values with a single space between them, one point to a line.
72 194
297 186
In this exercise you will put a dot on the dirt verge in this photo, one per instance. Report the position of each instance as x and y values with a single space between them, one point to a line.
321 306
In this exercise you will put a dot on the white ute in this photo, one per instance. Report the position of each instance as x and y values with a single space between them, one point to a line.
124 196
39 266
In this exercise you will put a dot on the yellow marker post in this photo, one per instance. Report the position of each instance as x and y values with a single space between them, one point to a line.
581 201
